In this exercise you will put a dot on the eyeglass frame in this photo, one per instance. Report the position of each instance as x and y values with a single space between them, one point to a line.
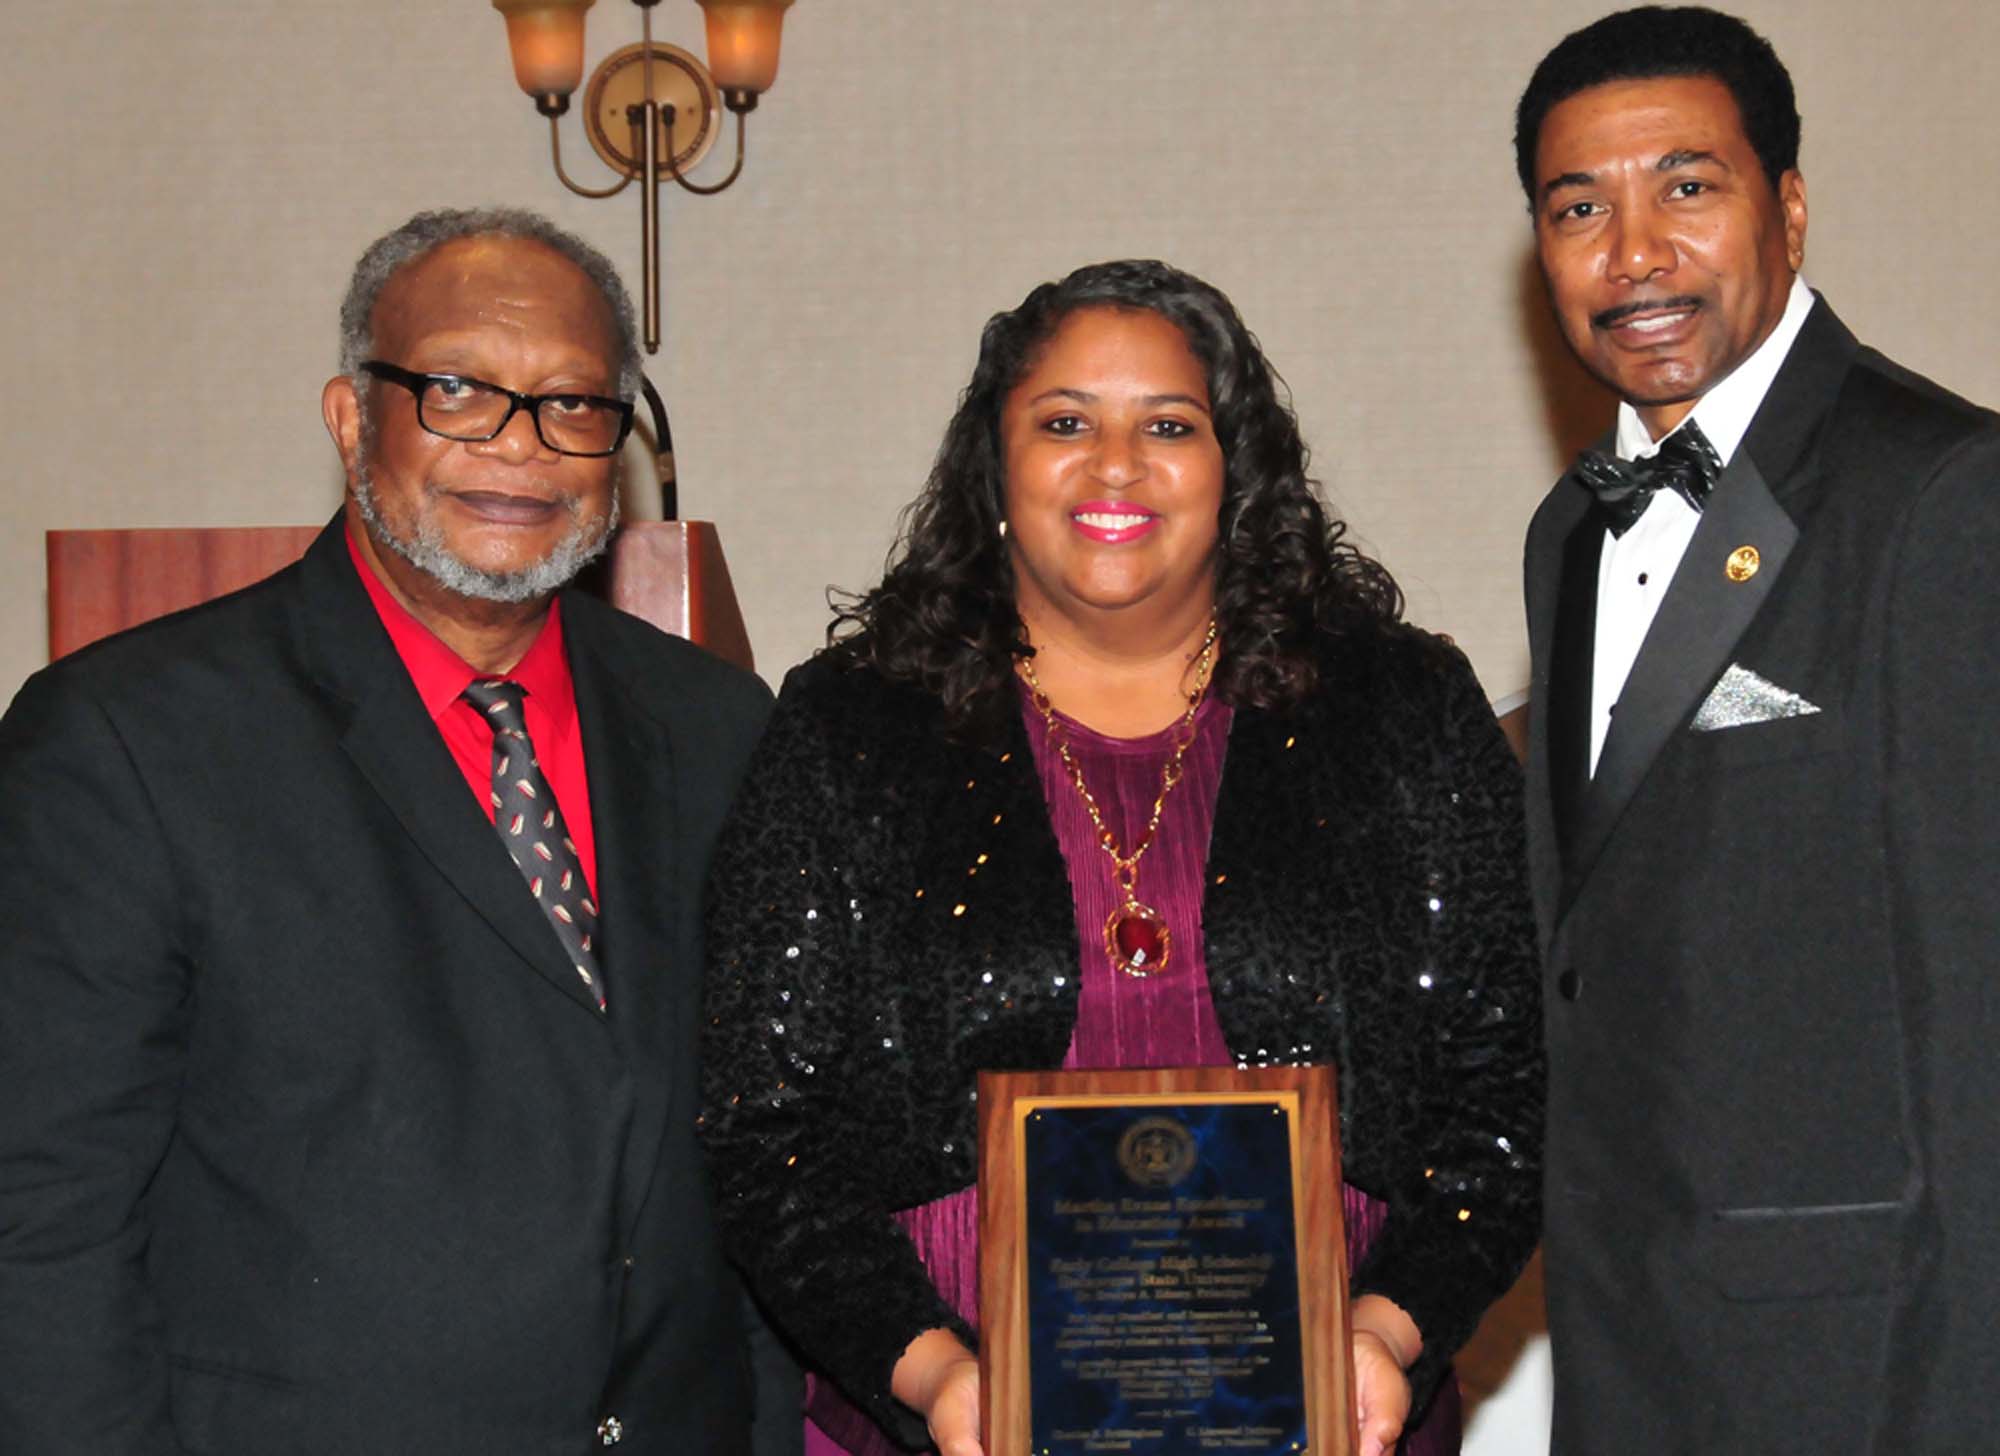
417 382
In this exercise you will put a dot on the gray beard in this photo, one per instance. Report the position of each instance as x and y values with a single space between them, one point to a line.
581 544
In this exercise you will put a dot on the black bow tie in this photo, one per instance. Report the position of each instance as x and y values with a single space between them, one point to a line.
1686 464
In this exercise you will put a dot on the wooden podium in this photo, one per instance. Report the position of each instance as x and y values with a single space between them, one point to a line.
672 573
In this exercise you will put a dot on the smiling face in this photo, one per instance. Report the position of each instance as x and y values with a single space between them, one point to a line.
1668 253
1114 476
449 522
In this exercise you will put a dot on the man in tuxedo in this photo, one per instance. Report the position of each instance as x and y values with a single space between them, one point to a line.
1763 794
351 935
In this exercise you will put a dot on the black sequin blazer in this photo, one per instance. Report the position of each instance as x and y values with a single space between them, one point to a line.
890 913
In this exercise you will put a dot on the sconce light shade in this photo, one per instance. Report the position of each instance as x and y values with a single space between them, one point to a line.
743 40
546 37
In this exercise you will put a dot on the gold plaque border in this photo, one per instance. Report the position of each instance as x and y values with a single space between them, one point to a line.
1307 1095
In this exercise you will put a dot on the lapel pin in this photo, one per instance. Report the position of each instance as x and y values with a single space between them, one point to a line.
1743 563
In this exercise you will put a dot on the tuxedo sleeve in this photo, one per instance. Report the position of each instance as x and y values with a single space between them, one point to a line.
786 1008
1942 765
94 994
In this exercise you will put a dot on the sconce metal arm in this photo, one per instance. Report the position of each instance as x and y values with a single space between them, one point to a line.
667 165
555 151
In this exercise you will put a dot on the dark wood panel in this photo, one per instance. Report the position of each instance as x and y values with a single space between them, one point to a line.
672 573
102 582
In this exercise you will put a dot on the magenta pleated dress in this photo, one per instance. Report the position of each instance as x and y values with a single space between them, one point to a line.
1163 1020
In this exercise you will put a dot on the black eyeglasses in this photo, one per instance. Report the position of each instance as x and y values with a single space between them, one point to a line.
456 407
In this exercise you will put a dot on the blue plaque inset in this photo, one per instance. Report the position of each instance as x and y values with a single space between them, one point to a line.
1163 1280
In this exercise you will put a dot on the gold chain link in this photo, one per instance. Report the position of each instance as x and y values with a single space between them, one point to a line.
1125 867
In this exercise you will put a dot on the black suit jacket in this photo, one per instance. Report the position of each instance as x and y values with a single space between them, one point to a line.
1773 1098
892 914
308 1140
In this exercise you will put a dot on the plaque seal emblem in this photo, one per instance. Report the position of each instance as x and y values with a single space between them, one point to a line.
1156 1152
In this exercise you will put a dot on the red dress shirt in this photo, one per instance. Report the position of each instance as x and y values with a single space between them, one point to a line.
441 676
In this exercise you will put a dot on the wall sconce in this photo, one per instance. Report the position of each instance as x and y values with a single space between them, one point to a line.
651 110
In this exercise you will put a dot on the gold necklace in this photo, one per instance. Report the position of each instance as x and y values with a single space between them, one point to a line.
1135 935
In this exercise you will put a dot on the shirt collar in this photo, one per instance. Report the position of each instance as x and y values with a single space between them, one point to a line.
441 676
1726 411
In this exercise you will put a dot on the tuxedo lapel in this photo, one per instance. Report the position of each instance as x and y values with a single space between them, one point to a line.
399 752
1561 528
1573 655
1705 611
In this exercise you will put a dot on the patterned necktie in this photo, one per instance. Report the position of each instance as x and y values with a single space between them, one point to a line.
1686 464
531 827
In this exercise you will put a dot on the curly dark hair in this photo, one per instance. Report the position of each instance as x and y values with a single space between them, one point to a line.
1654 41
943 617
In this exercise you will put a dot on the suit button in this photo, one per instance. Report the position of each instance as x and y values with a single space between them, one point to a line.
610 1431
1570 984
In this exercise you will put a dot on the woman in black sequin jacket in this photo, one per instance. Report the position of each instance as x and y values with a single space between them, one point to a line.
890 910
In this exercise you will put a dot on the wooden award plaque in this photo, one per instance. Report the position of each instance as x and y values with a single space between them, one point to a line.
1163 1268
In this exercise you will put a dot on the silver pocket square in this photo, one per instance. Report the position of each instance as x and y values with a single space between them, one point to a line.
1742 697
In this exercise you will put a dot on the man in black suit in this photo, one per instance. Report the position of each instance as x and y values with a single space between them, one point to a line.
333 1119
1763 793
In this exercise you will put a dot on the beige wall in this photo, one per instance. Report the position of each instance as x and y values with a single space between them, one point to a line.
187 185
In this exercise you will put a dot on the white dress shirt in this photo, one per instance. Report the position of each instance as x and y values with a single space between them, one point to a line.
1635 569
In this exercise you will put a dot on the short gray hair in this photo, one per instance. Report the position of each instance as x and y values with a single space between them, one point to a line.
389 254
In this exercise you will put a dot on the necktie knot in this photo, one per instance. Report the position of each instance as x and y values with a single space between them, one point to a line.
499 699
1685 463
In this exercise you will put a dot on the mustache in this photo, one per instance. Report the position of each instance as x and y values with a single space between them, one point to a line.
1611 317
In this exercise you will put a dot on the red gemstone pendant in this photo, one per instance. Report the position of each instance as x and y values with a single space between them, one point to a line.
1137 939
